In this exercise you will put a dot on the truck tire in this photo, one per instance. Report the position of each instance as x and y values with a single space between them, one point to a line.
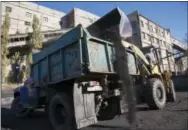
155 94
60 112
171 96
18 110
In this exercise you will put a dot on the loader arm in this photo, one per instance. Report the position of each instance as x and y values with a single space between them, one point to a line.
142 59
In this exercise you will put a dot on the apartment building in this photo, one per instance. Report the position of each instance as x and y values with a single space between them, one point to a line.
21 16
147 33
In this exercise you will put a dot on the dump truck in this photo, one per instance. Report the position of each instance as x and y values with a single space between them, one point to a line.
78 81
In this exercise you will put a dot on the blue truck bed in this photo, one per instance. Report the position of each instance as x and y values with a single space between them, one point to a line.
73 55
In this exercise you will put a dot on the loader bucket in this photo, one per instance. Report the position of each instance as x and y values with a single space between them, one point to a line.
115 18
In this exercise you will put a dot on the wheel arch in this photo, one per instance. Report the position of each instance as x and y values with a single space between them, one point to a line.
81 102
66 86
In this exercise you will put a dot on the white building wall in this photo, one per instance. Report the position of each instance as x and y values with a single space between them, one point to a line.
83 17
76 17
23 12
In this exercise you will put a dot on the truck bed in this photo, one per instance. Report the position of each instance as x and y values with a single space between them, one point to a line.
73 55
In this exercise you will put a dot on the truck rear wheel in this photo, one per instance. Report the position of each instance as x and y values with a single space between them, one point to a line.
155 94
60 112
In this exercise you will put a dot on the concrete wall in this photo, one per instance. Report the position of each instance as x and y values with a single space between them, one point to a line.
76 17
21 16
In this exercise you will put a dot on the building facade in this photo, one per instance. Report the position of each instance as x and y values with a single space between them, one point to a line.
21 16
78 16
147 33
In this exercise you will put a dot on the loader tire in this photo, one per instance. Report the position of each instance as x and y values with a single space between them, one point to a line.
60 112
171 96
155 94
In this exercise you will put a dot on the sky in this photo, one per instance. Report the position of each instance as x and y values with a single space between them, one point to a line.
173 15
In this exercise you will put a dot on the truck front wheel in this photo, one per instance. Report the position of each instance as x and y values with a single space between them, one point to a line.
18 109
155 94
60 112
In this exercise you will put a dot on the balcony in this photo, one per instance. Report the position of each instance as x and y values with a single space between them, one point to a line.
17 40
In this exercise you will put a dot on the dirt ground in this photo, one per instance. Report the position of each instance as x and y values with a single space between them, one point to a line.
173 117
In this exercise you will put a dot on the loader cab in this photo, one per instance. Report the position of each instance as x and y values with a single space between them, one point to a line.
153 51
132 62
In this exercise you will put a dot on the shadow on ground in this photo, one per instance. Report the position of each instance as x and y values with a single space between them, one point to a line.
38 121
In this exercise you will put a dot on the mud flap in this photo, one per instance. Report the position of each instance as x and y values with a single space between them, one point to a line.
84 107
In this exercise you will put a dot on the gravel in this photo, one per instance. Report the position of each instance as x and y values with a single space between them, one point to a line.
173 117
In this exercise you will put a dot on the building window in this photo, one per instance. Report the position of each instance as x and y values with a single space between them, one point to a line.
28 14
164 44
161 42
151 28
27 23
45 19
159 32
149 38
142 23
152 39
147 26
167 47
157 41
133 23
143 35
155 30
8 9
